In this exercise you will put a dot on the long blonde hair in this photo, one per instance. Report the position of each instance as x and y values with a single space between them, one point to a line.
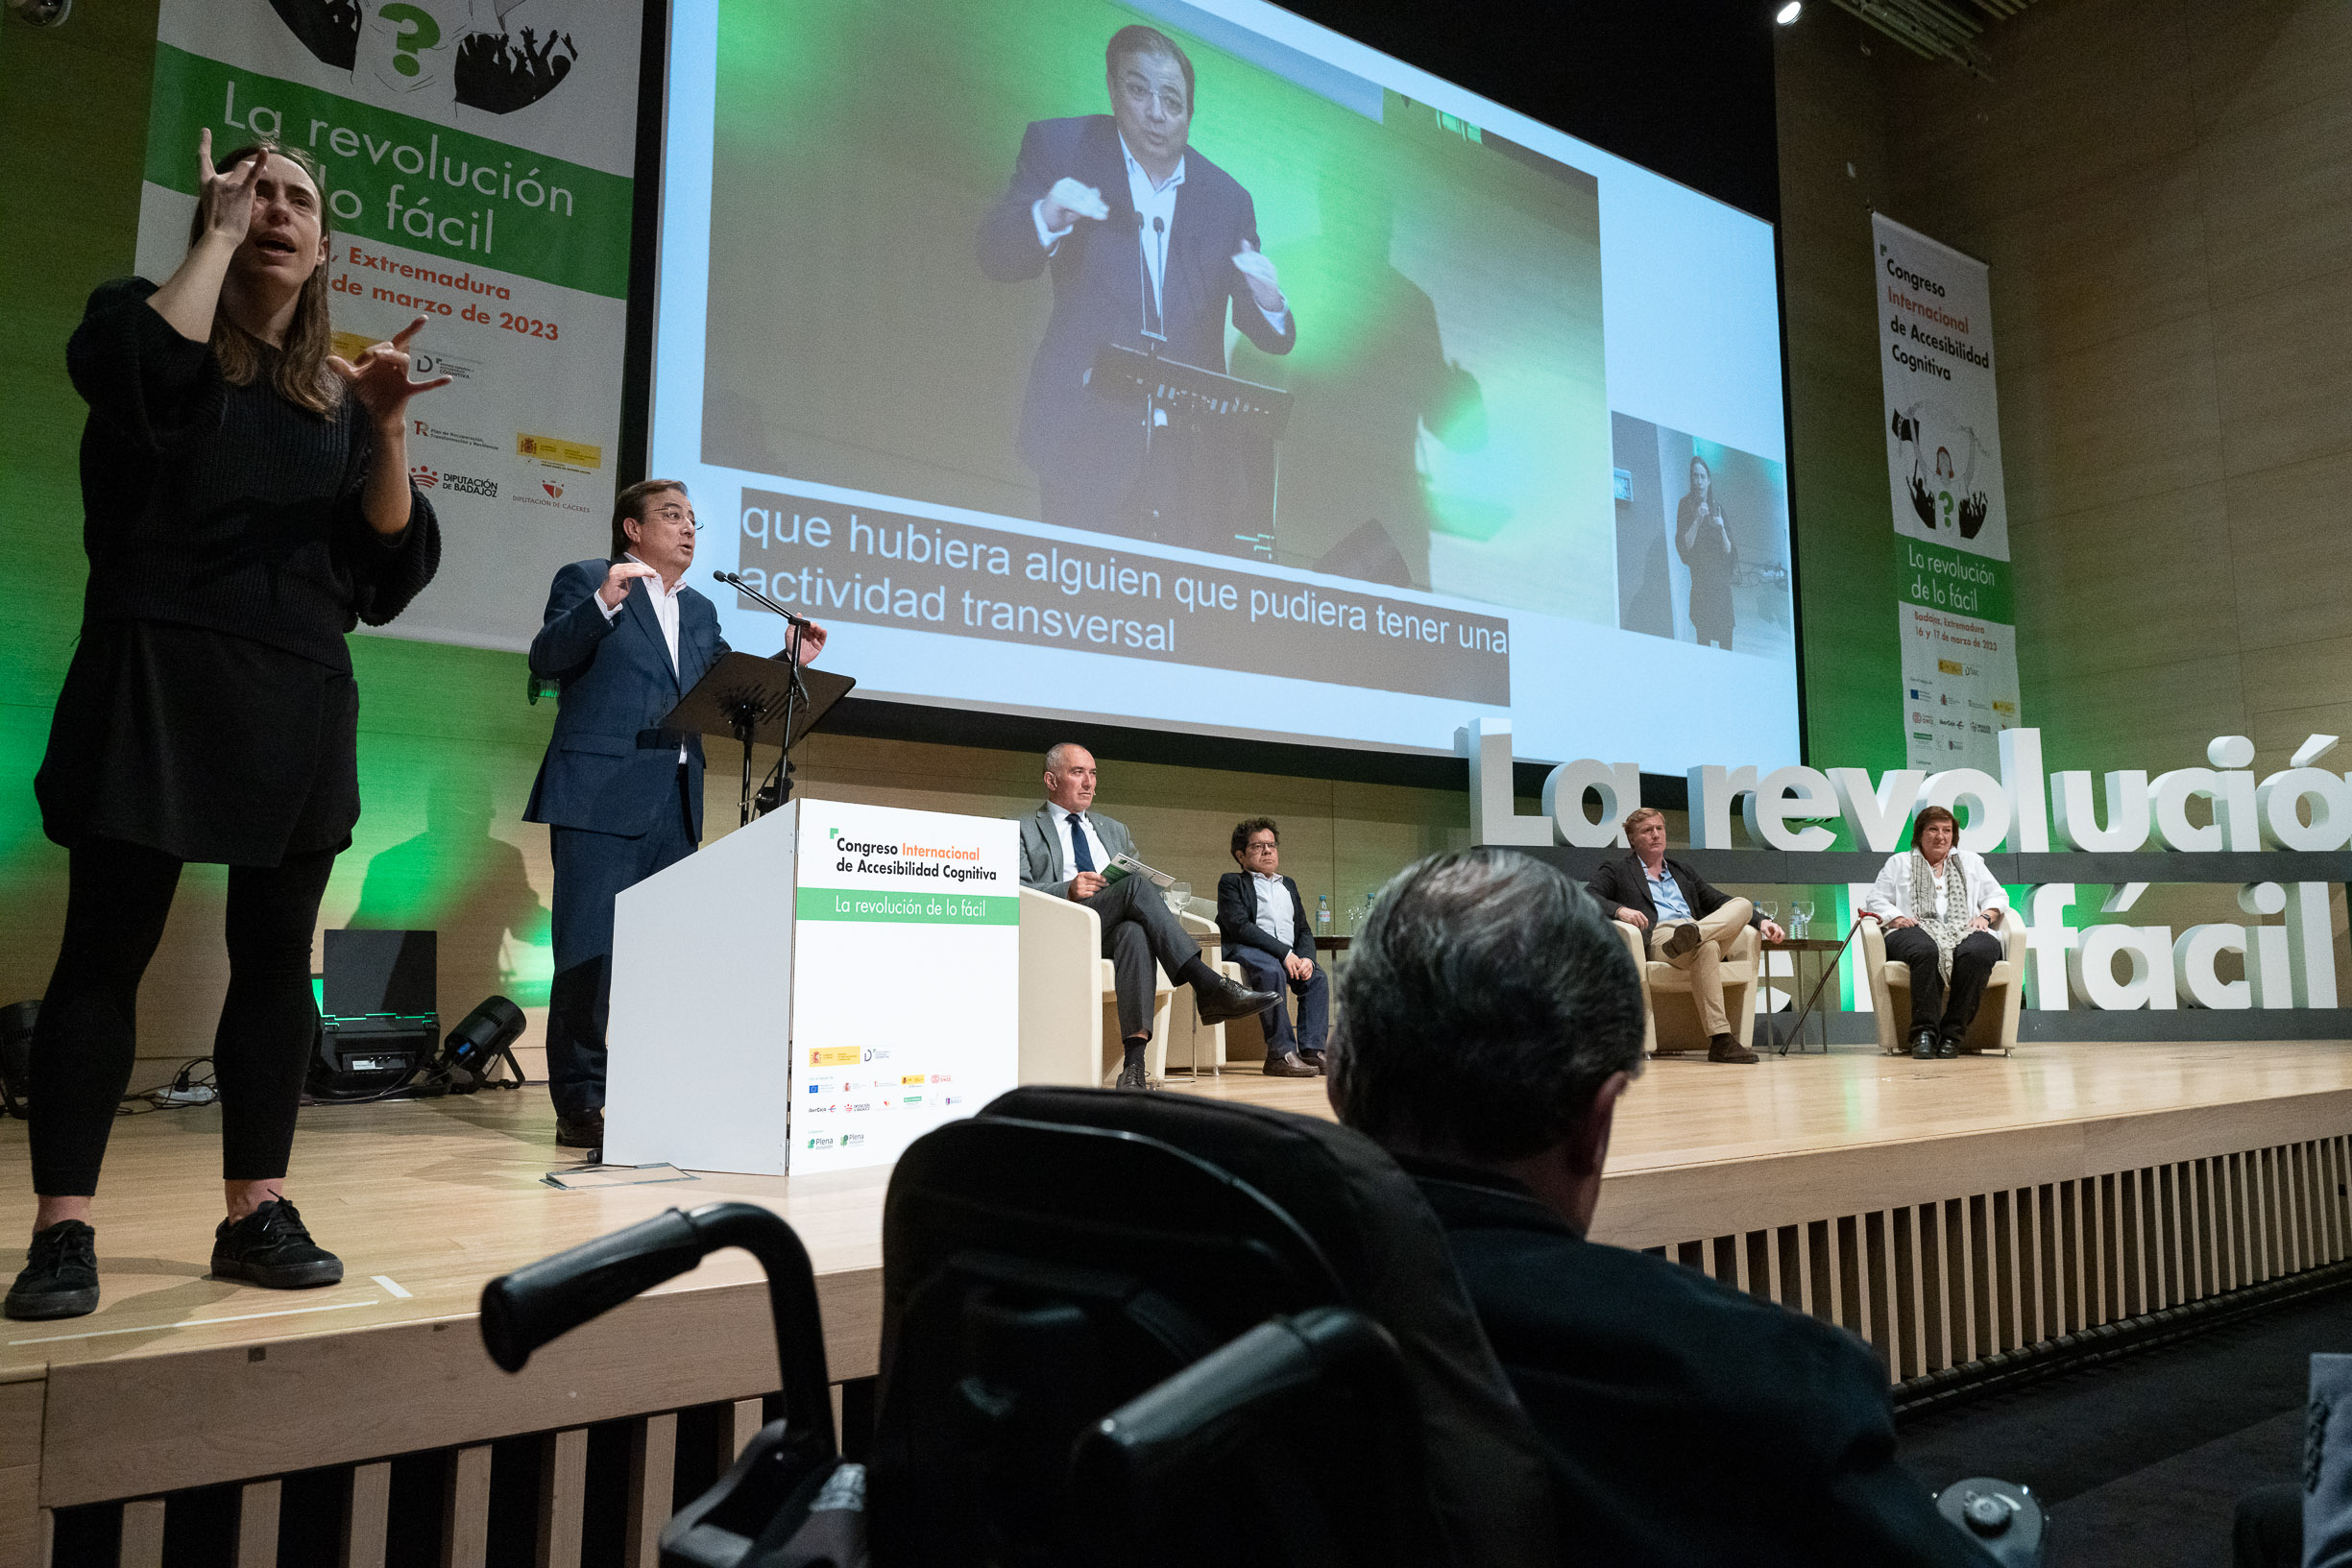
299 373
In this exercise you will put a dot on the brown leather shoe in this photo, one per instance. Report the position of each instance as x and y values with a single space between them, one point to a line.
1722 1048
1682 939
1314 1060
1289 1066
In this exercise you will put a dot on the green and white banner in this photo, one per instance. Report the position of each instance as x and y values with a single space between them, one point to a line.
1952 588
478 157
907 977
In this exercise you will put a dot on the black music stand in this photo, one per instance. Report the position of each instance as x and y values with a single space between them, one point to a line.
758 700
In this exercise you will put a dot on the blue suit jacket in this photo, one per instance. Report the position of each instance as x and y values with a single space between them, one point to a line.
1067 433
608 767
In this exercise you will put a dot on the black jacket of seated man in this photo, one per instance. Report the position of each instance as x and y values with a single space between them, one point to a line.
1237 919
1621 883
1686 1423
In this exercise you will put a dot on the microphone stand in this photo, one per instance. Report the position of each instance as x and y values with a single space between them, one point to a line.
780 781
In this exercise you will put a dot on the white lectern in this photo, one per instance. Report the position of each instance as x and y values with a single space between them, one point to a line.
814 991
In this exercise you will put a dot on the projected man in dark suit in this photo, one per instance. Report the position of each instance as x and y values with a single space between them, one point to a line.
1150 246
623 639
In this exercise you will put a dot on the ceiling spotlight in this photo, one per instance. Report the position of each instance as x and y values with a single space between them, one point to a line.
1789 13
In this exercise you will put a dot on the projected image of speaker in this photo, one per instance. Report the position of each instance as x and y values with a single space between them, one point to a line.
380 1024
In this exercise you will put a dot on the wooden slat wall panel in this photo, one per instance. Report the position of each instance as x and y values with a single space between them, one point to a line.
1940 1285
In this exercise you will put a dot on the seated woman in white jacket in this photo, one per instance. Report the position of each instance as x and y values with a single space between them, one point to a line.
1938 906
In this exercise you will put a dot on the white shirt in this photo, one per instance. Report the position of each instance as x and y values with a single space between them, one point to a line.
1274 907
1069 852
1891 894
1151 202
665 599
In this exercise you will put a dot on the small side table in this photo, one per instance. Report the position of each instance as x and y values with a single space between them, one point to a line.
1810 959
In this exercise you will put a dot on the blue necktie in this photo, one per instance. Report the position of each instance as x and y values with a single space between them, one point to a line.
1081 854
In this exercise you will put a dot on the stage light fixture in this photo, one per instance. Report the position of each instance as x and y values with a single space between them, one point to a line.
1790 11
16 1021
473 1048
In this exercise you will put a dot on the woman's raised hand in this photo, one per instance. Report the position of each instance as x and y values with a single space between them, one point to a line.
227 200
379 377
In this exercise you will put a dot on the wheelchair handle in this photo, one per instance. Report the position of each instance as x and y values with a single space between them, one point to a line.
542 1301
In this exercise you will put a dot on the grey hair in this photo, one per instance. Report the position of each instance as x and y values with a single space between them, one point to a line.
1056 753
1483 1007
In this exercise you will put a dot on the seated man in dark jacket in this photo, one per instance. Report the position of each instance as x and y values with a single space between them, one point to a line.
1489 1023
1686 920
1264 921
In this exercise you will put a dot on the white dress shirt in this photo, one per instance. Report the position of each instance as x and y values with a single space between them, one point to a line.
1151 202
665 600
1275 914
1891 895
1069 852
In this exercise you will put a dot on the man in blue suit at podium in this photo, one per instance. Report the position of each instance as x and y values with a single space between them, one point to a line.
1150 246
623 639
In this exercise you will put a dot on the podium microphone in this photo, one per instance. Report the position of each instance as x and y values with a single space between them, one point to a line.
741 586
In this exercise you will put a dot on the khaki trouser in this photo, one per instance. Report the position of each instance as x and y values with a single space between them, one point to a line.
1705 962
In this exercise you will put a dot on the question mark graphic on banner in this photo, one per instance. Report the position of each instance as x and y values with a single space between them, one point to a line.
417 31
1944 496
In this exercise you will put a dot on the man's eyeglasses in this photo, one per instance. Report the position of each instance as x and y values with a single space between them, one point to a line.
673 517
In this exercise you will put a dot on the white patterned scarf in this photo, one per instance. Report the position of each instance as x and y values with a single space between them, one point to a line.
1950 927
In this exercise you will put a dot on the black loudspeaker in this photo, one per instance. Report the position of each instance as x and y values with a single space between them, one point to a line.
379 1026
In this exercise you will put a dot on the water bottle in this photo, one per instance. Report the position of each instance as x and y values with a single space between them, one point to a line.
1323 914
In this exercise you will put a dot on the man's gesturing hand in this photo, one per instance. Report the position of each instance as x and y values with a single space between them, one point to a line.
617 581
1086 884
1068 201
379 377
1265 284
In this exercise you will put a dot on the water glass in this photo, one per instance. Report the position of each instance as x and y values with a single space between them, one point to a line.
1180 897
1768 909
1803 912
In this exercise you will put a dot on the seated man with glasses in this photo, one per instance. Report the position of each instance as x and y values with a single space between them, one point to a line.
623 639
1263 918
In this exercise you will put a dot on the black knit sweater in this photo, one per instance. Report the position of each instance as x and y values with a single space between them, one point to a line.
226 507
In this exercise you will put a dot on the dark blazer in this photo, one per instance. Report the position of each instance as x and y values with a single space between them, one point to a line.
1620 883
608 768
1237 917
1687 1423
1068 435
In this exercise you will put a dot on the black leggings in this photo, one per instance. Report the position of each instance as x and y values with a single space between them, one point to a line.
87 1036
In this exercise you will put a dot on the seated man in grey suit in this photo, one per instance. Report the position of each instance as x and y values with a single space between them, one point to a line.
1065 849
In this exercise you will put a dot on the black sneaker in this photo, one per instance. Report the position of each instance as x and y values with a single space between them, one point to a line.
61 1275
272 1247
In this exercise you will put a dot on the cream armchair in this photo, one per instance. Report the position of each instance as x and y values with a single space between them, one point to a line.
1069 1003
1995 1025
1670 1018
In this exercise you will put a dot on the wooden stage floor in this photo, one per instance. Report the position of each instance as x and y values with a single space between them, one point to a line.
425 1201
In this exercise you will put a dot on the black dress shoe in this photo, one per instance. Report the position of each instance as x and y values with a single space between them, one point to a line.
588 1132
1132 1077
1218 999
1288 1066
272 1247
1922 1044
1948 1047
60 1273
